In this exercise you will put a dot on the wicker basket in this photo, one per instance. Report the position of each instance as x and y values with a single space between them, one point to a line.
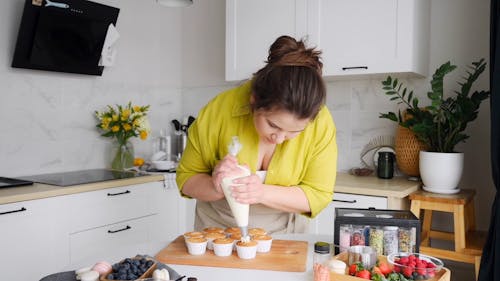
407 148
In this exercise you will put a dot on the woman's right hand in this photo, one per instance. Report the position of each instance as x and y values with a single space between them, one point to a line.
226 167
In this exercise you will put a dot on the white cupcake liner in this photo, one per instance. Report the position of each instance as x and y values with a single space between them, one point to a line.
246 252
196 248
223 250
264 246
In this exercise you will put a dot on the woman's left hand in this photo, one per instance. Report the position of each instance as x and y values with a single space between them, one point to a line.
248 190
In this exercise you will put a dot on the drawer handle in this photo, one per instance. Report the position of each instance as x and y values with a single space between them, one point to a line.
123 229
13 211
354 67
345 201
119 193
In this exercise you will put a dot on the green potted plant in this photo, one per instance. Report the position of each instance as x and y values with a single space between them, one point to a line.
441 125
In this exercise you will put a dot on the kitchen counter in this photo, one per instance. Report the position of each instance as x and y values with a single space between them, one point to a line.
39 191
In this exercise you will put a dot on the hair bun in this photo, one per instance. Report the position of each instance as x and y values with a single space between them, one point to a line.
286 51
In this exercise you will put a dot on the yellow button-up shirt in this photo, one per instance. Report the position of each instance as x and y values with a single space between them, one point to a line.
308 161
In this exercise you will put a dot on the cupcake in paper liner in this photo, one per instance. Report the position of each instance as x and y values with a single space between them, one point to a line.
223 247
196 245
211 236
246 250
264 243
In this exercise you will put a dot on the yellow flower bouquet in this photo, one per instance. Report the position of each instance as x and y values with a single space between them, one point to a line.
123 123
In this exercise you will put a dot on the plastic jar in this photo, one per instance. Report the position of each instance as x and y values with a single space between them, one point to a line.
345 237
405 241
321 253
390 240
377 239
357 235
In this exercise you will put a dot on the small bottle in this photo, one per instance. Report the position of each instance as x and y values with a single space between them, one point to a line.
321 256
321 253
385 165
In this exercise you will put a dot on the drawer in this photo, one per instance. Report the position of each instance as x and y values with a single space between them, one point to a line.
112 243
109 206
346 200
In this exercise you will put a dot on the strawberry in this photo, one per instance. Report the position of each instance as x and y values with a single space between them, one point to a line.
365 274
408 271
403 260
384 268
376 270
353 268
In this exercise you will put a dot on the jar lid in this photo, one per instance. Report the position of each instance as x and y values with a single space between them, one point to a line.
322 247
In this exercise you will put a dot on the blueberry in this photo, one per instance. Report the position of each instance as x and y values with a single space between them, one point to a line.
131 276
122 277
111 277
127 260
136 262
149 263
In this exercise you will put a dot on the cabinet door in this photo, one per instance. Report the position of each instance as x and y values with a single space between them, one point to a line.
251 28
370 36
112 243
32 245
324 222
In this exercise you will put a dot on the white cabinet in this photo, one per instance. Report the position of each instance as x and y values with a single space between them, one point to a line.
356 36
251 28
324 222
115 223
32 243
371 36
112 243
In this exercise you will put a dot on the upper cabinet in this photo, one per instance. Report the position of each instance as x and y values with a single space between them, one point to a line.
253 25
356 36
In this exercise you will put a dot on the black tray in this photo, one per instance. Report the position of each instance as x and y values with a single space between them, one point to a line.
10 182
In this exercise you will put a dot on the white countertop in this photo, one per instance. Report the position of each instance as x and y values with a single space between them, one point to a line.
205 273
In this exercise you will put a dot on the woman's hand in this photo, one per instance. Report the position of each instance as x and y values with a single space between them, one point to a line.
226 167
248 190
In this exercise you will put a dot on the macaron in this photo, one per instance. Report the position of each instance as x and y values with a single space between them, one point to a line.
102 267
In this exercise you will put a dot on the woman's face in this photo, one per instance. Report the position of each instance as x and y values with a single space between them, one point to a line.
277 126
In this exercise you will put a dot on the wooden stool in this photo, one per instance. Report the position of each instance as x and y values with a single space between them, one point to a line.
468 242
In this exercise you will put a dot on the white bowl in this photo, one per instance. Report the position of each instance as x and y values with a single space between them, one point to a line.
163 165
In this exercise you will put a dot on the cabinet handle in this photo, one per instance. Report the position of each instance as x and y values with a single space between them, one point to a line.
13 211
123 229
345 201
354 67
119 193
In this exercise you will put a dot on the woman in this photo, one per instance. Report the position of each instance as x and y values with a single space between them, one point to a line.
288 139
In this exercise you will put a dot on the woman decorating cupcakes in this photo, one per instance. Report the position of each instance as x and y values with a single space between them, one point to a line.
288 143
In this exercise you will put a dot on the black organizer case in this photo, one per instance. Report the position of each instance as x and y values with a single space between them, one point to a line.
376 217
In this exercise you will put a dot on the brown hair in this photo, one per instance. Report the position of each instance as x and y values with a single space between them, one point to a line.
291 79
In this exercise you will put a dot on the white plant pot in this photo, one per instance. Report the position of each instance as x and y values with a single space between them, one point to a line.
441 172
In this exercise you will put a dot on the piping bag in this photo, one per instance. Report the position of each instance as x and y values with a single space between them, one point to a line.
240 211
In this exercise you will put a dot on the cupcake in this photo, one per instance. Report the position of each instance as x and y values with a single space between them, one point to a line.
193 234
246 250
211 236
223 247
264 243
213 229
196 245
232 230
256 231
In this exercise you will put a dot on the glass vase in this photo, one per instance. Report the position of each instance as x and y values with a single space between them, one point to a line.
122 155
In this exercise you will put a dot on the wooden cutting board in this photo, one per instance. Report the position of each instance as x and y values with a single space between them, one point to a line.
285 255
